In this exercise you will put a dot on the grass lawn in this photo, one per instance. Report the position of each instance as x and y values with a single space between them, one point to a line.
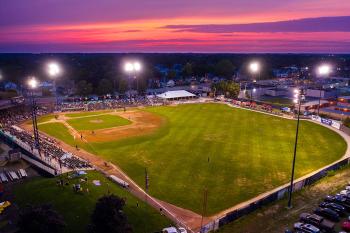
98 122
59 130
77 208
249 153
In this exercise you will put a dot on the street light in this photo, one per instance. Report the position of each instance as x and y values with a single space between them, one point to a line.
323 70
298 97
1 77
132 68
254 90
33 84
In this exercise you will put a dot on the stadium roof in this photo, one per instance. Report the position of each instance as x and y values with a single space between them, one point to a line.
175 94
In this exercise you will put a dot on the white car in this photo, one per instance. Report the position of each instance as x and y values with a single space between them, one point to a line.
344 192
174 230
306 228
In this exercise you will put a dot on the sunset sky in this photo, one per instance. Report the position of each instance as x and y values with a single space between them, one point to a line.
321 26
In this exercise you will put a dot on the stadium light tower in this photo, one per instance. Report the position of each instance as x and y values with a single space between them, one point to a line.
322 71
33 84
132 68
298 98
254 68
54 70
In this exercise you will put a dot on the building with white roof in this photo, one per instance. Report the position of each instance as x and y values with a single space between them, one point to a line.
176 95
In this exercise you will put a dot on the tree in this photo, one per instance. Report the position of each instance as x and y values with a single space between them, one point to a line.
108 216
228 88
224 68
105 86
83 88
346 122
187 70
40 219
171 74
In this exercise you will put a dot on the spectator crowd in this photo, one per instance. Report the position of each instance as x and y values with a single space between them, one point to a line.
49 148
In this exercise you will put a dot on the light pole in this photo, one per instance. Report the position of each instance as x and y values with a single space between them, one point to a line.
254 68
298 97
132 68
323 71
1 78
53 70
33 83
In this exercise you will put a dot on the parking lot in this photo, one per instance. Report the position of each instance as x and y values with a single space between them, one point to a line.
331 215
276 218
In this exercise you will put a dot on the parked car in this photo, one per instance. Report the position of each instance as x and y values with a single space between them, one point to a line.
305 227
346 225
344 192
333 206
339 200
174 230
327 213
346 197
317 221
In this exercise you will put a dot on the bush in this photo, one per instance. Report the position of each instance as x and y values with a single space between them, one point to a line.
346 122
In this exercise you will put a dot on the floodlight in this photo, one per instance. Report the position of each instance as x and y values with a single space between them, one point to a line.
128 67
254 67
137 66
53 69
324 69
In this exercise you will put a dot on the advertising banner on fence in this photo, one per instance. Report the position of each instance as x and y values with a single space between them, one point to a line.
326 121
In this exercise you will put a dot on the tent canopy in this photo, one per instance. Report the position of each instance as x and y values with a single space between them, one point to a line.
176 94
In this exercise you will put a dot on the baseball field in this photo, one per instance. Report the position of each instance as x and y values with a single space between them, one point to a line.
234 153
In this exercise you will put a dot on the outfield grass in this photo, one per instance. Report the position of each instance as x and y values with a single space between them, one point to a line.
77 208
98 122
249 153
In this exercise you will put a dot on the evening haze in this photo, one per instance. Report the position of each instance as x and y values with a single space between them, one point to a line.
298 26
